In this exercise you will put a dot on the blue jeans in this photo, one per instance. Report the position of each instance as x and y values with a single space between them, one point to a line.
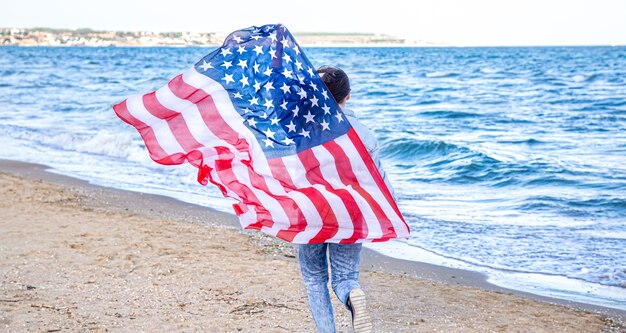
344 267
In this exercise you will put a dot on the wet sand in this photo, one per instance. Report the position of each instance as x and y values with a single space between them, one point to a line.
81 258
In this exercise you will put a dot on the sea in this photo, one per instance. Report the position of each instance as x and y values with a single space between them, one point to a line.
508 161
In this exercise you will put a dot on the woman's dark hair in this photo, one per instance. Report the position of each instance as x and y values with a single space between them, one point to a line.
336 80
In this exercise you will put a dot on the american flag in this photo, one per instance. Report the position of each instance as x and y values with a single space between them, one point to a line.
257 121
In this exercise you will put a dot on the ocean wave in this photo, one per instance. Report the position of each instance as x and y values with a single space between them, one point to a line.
529 142
450 114
440 74
406 148
578 208
119 145
584 78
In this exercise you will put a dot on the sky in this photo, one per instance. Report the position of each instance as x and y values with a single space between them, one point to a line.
454 22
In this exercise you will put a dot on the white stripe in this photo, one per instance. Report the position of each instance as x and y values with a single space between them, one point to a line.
267 201
162 132
331 175
191 116
369 184
247 218
314 221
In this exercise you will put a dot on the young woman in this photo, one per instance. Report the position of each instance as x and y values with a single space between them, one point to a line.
344 258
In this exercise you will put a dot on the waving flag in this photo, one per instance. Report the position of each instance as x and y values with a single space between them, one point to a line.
257 121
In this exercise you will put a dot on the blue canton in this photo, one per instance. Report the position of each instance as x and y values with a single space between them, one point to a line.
276 90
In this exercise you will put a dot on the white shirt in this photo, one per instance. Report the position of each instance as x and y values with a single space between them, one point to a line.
369 141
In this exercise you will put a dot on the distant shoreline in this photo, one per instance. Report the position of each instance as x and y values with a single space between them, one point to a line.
88 37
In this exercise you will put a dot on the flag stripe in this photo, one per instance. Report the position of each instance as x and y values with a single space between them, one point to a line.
296 171
163 135
157 153
342 162
175 121
314 176
298 221
354 216
371 166
321 170
247 196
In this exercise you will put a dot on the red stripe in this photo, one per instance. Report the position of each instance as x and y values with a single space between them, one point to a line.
371 166
344 169
227 177
288 205
297 220
356 215
175 121
208 111
330 226
157 153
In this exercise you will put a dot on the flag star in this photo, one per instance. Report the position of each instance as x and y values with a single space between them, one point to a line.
238 39
291 126
298 65
313 85
228 77
284 105
258 49
264 115
241 49
269 86
284 88
314 101
339 117
301 80
325 94
302 93
237 95
310 71
273 53
325 125
251 122
287 58
227 64
288 141
256 67
254 101
297 50
268 71
269 133
246 110
275 121
268 143
287 73
309 117
244 81
268 103
243 64
257 85
326 109
206 65
256 37
285 41
273 36
305 133
295 111
225 52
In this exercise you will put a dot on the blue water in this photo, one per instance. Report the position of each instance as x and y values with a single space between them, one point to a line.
509 160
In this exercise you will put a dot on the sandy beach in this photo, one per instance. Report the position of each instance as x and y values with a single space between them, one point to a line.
81 258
